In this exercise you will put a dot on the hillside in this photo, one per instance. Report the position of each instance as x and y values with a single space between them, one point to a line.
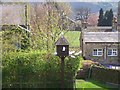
94 7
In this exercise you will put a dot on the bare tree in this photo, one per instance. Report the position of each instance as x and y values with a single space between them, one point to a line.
82 13
45 23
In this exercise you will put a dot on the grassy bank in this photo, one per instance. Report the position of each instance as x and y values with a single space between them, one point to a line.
73 38
92 85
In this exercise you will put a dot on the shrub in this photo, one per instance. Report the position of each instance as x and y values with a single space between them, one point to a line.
36 69
84 71
14 39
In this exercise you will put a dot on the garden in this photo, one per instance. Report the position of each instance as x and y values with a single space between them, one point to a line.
92 75
28 59
30 68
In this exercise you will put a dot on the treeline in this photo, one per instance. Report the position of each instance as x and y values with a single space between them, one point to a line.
105 19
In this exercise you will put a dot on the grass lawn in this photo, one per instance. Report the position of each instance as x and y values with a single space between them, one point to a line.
73 38
92 85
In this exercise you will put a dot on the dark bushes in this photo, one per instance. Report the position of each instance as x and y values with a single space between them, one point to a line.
84 71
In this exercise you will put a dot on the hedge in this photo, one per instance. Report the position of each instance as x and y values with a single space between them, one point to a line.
105 75
36 69
84 71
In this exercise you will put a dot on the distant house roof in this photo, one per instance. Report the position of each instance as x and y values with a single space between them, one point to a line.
101 37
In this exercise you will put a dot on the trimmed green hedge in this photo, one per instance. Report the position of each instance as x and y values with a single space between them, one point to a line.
105 75
36 69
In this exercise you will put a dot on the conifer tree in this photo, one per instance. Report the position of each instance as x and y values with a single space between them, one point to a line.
100 17
105 19
110 17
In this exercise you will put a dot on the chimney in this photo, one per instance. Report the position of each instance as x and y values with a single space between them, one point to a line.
114 24
84 24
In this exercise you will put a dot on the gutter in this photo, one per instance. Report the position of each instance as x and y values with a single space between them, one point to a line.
23 28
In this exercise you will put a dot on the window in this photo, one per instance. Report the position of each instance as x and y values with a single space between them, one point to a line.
112 52
97 52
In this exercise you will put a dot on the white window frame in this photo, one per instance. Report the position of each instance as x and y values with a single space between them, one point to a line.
113 51
98 52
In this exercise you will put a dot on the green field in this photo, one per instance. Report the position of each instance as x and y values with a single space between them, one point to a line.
73 38
92 85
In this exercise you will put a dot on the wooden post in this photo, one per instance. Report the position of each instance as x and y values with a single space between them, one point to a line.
62 49
62 72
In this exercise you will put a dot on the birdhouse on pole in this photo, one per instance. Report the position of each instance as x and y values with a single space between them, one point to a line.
62 47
